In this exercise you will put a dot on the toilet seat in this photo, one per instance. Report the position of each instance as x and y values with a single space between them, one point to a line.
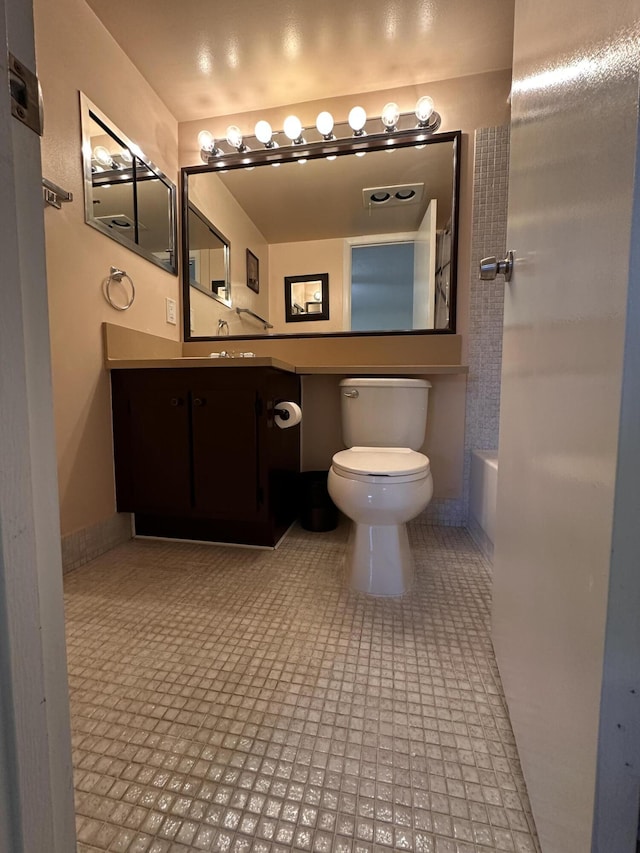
381 464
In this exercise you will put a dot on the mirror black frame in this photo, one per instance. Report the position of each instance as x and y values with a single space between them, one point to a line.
289 315
213 294
320 150
88 112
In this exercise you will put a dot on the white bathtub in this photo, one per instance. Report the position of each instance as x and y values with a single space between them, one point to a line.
482 499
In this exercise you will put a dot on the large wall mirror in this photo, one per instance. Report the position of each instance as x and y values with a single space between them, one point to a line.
377 214
126 197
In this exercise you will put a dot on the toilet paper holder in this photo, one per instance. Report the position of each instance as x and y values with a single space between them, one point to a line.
285 414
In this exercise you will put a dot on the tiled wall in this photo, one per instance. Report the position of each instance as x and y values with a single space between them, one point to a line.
90 542
488 237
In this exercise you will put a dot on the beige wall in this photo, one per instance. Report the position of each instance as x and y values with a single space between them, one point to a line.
74 52
314 256
220 207
78 257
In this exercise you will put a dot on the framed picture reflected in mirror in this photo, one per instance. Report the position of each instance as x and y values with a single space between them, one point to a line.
306 297
253 272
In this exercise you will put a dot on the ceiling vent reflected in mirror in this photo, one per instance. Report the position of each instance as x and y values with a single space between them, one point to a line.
377 197
121 221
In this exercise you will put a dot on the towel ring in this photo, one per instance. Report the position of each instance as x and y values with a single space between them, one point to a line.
117 275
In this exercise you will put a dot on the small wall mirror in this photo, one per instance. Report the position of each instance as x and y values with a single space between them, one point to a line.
126 197
208 253
306 297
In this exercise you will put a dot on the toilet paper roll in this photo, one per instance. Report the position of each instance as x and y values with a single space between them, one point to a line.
288 414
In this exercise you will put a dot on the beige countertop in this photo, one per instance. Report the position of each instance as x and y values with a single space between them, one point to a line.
126 348
383 369
255 361
278 364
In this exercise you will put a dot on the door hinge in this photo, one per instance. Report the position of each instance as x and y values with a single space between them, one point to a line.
26 95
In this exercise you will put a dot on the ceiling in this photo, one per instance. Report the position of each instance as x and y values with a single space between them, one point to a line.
321 200
206 58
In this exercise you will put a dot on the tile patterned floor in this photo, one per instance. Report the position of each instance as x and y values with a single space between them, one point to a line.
234 700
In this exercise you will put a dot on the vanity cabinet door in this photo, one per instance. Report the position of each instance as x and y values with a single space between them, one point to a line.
151 441
198 455
225 446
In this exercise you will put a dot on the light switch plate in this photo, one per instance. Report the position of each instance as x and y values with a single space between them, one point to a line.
171 311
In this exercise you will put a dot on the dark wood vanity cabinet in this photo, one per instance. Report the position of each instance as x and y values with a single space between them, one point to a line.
199 456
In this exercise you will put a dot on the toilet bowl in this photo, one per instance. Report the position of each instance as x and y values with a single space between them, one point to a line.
395 486
381 481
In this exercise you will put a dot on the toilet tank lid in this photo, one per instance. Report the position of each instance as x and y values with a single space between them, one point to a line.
384 382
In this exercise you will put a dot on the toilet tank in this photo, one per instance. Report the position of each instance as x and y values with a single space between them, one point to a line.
384 412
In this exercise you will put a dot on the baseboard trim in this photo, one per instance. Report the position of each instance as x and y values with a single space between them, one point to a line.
85 545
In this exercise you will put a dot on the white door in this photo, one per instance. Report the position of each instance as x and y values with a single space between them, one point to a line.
36 785
571 194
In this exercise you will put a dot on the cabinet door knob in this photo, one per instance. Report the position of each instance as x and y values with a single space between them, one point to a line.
175 401
199 401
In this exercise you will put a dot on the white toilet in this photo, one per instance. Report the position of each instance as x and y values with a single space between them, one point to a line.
381 482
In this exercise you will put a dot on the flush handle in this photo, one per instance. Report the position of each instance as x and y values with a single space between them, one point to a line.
353 393
491 267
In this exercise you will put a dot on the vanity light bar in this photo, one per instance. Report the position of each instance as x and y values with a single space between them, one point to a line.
427 118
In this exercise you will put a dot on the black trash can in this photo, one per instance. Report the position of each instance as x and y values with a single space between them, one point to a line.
317 511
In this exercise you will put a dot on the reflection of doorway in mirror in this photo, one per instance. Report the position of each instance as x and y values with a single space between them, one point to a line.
194 267
443 278
405 298
382 286
424 274
306 297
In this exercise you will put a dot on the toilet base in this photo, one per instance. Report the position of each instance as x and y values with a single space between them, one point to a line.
379 560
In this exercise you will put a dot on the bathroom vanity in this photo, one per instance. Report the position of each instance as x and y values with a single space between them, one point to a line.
198 454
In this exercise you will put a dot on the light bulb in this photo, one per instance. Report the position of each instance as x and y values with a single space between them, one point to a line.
206 141
324 124
424 108
126 155
102 155
390 116
234 136
263 132
357 119
292 127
